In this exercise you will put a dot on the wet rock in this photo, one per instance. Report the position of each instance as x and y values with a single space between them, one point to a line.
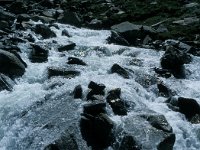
174 60
4 24
74 60
53 71
129 143
78 92
6 83
38 54
132 32
164 90
120 71
163 72
65 33
67 47
44 19
187 106
145 80
117 39
118 106
97 131
97 88
11 65
70 18
44 31
23 17
66 141
94 108
138 127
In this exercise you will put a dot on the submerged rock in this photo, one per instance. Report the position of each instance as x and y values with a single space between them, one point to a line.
11 65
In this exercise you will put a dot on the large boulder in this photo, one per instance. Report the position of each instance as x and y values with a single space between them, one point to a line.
11 65
44 31
132 32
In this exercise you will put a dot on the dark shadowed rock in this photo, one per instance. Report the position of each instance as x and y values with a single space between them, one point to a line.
18 7
120 71
129 143
78 92
52 71
38 54
118 106
6 15
174 60
11 65
167 143
70 18
96 89
23 17
117 39
94 108
97 131
6 83
67 47
44 31
164 90
74 60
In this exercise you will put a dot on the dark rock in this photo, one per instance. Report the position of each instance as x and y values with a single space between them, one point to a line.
66 141
67 47
97 131
78 92
62 72
74 60
132 32
38 54
117 39
167 143
70 18
65 33
120 71
94 108
6 16
187 106
11 65
164 90
18 7
174 60
118 106
129 143
43 19
163 72
4 24
6 83
23 17
97 88
44 31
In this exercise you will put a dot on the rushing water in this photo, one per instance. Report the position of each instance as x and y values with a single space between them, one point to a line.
33 104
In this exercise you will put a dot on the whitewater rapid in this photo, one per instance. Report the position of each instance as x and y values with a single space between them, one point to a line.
34 87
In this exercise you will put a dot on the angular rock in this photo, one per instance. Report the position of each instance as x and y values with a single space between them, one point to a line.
44 31
132 32
78 92
97 131
117 39
118 106
70 18
38 54
11 65
174 60
96 89
120 71
62 72
74 60
94 108
6 83
67 47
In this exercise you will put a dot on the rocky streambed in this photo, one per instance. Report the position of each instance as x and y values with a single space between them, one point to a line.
64 86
